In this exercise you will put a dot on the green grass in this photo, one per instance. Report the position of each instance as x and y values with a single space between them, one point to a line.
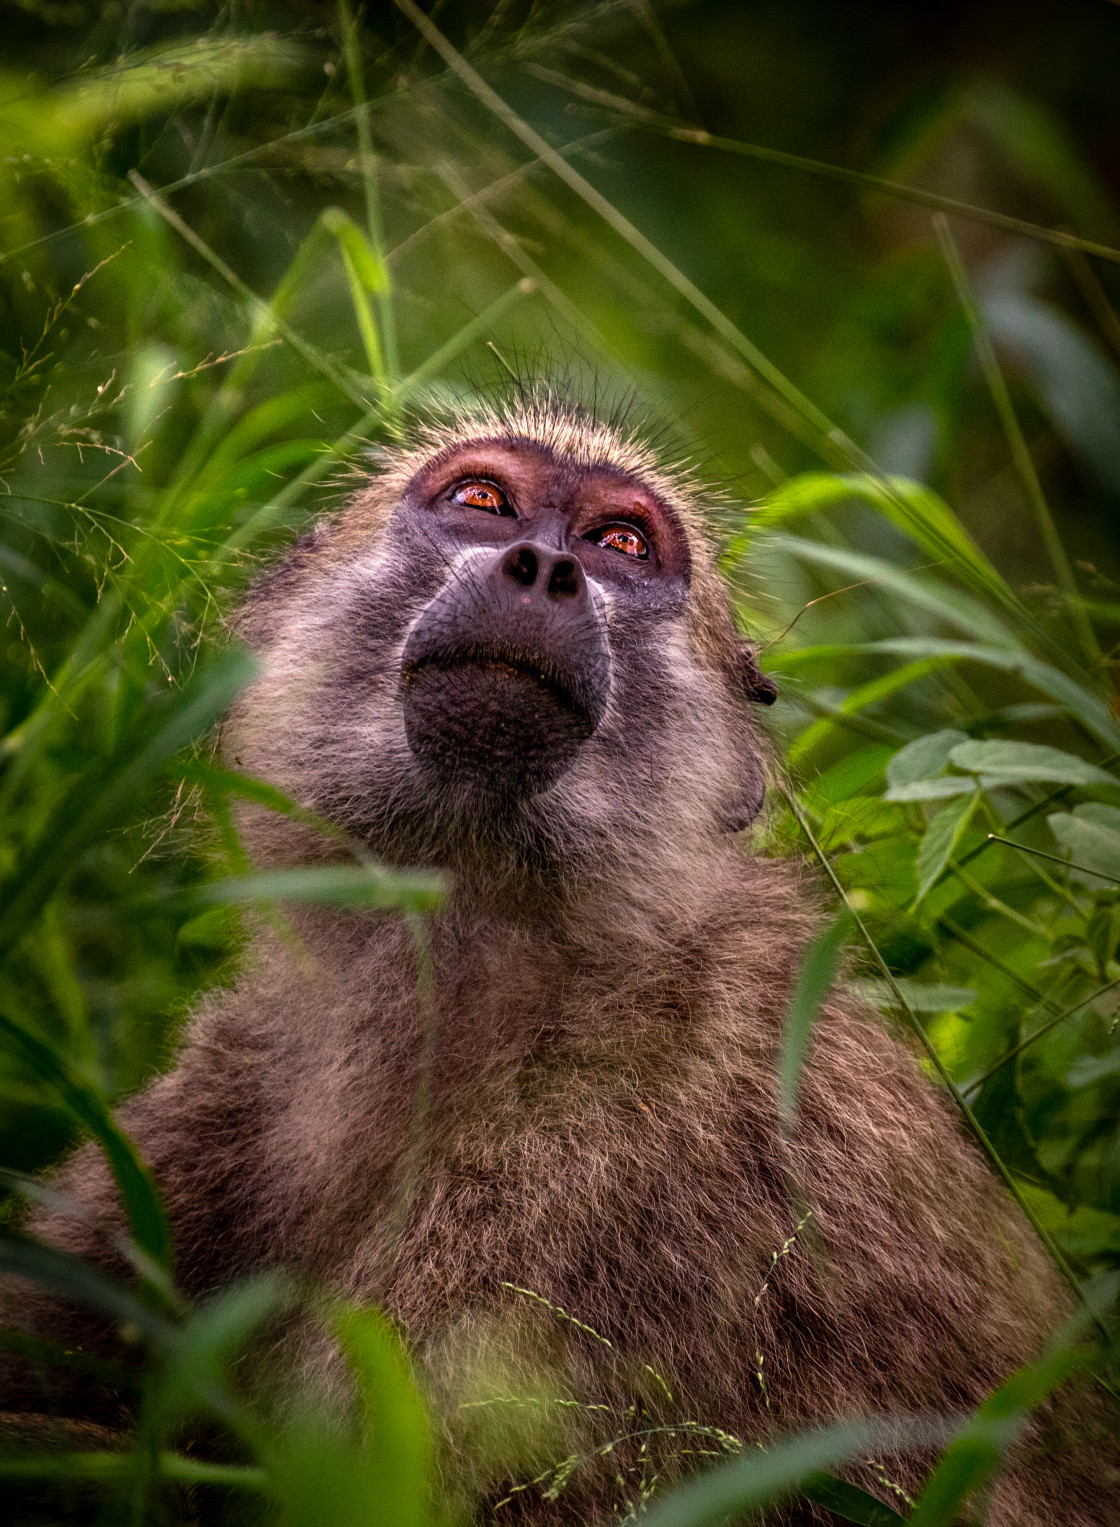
234 257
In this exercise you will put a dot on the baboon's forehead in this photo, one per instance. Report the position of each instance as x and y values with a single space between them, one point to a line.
540 471
575 445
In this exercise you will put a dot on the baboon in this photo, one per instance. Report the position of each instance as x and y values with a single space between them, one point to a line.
510 658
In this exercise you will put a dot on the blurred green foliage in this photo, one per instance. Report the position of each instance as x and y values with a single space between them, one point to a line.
239 242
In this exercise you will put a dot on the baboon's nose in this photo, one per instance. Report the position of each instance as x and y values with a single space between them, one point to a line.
541 575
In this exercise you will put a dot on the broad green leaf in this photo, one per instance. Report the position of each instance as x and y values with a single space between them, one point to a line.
939 840
924 757
850 776
818 971
1028 761
941 788
1090 835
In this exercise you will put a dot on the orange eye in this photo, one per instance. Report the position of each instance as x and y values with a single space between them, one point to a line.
481 495
623 538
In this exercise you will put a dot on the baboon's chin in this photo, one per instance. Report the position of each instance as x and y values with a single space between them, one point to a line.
504 729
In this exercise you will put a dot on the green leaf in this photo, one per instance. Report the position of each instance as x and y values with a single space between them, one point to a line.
219 782
146 84
815 978
848 1501
80 1280
178 719
942 788
113 1468
1027 761
1076 382
1045 154
272 417
324 1479
939 840
369 269
859 699
924 757
210 1338
1090 835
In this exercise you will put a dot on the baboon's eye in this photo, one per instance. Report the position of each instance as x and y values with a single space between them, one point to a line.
624 538
481 495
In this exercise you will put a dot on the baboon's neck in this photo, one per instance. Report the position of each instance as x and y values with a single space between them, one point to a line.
651 894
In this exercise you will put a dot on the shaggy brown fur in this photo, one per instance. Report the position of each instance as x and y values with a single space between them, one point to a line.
611 975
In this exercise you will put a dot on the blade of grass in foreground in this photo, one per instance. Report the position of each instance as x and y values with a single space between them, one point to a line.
344 885
141 1197
814 981
742 1488
981 1446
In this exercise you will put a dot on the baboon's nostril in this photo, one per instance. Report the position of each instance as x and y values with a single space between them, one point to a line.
564 580
522 566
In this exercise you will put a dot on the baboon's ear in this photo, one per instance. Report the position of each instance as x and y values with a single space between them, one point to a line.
756 686
753 684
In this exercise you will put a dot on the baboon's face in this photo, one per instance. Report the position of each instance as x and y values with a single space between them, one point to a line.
549 582
509 658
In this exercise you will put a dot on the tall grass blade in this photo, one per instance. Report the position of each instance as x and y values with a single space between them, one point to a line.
739 1490
814 981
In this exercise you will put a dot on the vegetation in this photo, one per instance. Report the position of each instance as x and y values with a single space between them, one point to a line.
239 244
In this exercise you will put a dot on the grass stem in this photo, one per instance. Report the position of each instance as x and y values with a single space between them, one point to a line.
1020 452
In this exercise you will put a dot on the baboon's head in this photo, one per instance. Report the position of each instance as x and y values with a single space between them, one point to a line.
512 642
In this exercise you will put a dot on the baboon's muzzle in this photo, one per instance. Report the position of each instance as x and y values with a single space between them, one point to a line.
506 673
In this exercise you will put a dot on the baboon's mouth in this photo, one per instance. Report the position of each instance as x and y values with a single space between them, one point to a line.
510 661
499 713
